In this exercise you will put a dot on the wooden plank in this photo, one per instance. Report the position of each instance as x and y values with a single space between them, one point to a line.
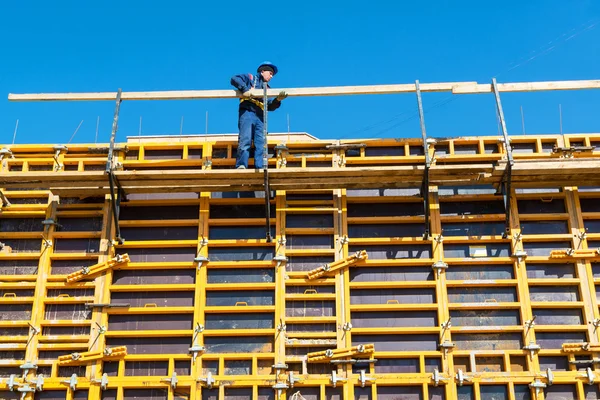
527 86
454 87
231 94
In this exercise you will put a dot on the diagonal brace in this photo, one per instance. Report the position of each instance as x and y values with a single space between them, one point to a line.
331 268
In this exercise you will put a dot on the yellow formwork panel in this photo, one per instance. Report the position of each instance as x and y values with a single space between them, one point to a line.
208 309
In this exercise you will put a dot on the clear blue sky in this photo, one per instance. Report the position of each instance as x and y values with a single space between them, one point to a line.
74 46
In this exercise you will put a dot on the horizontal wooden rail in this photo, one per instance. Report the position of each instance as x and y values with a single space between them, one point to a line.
453 87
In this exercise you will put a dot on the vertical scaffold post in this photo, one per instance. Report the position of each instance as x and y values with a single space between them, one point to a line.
425 185
505 184
266 163
112 179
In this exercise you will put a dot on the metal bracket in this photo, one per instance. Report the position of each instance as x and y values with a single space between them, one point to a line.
172 380
538 386
568 152
57 151
5 152
195 349
438 266
549 377
201 260
280 259
461 377
520 255
530 323
209 381
505 184
437 377
518 236
446 325
72 382
363 378
34 331
446 346
38 382
47 243
281 149
4 201
11 382
292 379
532 347
207 162
27 366
281 327
103 381
591 377
335 379
596 324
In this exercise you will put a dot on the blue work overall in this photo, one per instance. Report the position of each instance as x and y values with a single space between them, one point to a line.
251 121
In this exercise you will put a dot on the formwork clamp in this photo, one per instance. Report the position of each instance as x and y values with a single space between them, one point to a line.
38 382
532 348
173 381
94 270
461 378
446 346
438 267
79 358
208 381
335 379
590 376
292 379
72 382
102 381
520 255
438 378
331 268
280 259
363 378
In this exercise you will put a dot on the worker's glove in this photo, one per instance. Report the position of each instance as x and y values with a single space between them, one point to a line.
282 95
247 94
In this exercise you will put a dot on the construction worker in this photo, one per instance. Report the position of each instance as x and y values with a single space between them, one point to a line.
250 122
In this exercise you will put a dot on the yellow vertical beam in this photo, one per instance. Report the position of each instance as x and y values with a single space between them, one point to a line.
342 278
200 291
519 265
587 288
440 286
170 370
101 295
280 277
37 310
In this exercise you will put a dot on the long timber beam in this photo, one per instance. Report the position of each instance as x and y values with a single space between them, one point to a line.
453 87
539 173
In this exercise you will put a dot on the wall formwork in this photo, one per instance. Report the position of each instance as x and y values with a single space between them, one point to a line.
460 314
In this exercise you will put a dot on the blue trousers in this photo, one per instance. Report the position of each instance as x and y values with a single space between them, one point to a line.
251 128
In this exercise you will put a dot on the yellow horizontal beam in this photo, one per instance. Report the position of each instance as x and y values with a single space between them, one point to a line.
150 310
148 333
184 287
238 309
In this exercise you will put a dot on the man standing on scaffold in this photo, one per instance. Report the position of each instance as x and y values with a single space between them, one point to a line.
250 122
